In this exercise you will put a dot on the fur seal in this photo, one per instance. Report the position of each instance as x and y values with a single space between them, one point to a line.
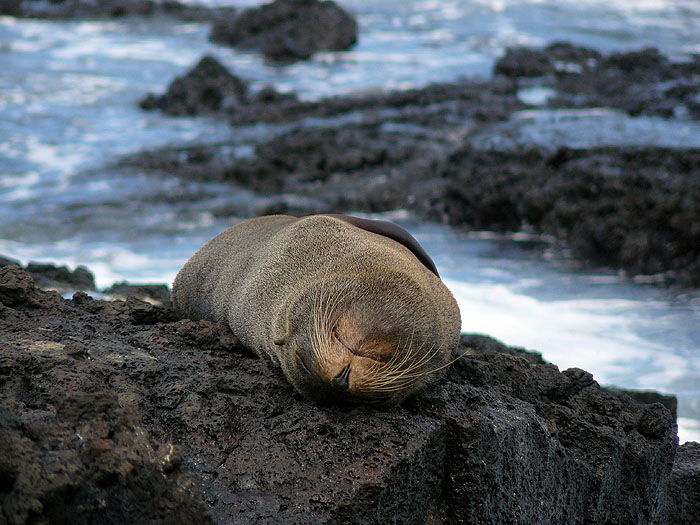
349 308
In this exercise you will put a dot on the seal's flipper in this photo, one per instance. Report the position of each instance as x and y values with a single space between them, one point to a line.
392 231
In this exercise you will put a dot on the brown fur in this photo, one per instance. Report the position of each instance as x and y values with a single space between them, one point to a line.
346 313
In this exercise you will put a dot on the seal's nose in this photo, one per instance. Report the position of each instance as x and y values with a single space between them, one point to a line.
341 380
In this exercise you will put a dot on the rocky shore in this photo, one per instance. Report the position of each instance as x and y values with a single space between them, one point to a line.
119 412
457 153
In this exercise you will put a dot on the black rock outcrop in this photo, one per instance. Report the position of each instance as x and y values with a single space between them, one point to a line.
289 29
117 412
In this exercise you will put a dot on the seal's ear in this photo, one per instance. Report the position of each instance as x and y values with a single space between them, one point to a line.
280 327
394 232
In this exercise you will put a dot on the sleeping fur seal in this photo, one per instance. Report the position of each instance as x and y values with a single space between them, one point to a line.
349 308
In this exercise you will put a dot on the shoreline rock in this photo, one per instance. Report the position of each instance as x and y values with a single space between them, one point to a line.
640 82
49 275
631 208
126 400
63 280
288 30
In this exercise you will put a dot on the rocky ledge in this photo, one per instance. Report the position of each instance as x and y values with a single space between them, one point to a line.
118 412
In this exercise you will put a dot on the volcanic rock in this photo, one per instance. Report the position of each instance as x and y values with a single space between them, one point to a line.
289 29
208 87
109 415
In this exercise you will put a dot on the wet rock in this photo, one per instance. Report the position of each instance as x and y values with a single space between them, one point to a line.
289 29
208 87
53 276
630 208
648 62
561 57
643 82
158 294
47 274
104 420
441 104
524 62
387 155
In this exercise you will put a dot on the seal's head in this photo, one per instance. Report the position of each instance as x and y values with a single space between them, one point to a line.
375 344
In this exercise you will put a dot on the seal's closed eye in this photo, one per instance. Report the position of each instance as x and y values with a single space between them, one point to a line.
302 364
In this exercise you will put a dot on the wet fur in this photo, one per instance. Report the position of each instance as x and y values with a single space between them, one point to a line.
301 290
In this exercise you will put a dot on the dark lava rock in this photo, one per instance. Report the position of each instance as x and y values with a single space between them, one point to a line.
49 275
643 82
155 293
105 418
389 160
289 29
648 397
632 208
685 485
67 9
557 57
524 62
208 87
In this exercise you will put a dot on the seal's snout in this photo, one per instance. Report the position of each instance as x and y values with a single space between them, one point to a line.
341 381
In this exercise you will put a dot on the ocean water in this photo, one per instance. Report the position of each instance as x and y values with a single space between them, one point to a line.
69 95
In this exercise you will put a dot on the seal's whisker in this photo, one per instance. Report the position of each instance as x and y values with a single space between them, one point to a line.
395 375
412 378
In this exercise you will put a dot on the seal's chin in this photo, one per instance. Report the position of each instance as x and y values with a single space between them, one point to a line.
341 376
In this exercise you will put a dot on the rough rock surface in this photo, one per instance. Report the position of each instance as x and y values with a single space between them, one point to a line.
632 208
48 275
208 87
65 281
685 484
112 412
289 29
643 82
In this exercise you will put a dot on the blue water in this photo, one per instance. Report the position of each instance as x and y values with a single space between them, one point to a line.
68 110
